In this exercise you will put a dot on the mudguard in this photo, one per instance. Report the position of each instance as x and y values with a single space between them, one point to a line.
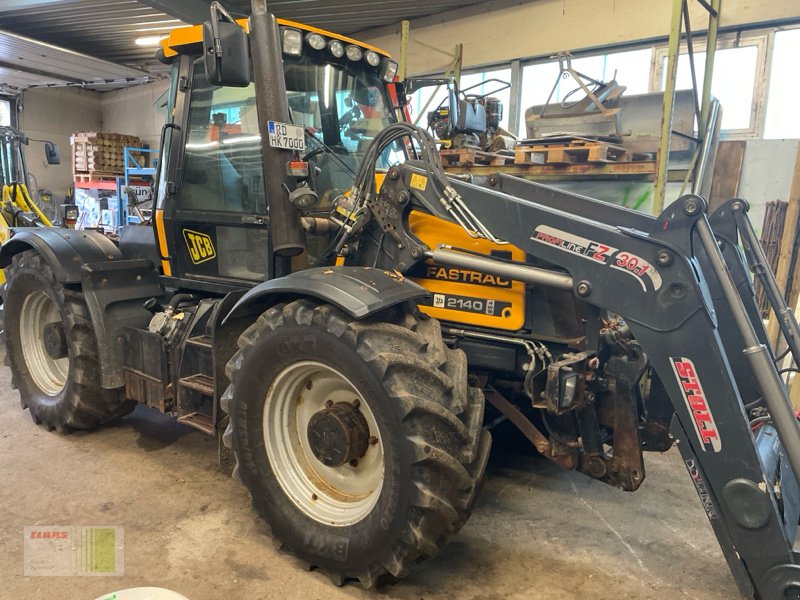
114 288
359 291
66 250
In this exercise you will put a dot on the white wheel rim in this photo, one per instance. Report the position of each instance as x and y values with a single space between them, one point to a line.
337 496
48 373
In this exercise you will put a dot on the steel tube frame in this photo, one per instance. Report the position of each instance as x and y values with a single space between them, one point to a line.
446 256
673 52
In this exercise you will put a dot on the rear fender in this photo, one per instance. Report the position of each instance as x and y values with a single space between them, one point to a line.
114 288
66 250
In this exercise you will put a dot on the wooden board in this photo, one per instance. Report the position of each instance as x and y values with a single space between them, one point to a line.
771 235
727 173
635 171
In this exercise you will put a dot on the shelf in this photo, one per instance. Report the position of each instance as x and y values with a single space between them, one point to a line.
637 171
148 172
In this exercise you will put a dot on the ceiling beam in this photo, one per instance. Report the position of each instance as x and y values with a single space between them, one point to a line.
48 74
188 11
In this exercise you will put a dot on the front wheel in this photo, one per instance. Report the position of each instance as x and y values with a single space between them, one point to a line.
360 441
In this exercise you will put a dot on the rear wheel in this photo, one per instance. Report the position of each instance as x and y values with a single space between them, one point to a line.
360 442
52 350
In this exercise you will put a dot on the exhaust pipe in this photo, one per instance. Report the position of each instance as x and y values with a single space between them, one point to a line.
265 47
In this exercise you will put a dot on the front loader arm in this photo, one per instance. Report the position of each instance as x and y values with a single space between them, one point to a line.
667 278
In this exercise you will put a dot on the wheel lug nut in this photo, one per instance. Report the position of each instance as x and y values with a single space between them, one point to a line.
354 462
356 403
328 403
309 384
373 440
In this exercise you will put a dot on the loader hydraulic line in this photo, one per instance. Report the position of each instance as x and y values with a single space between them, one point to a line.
759 265
772 389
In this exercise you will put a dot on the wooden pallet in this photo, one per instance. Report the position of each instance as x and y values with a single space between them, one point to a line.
97 176
472 156
576 151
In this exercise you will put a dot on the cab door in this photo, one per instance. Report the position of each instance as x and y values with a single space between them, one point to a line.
217 212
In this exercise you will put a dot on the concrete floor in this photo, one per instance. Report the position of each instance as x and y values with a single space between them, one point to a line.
538 532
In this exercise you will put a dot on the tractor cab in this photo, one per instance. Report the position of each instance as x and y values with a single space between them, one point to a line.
212 219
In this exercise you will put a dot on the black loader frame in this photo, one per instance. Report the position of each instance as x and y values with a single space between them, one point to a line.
688 301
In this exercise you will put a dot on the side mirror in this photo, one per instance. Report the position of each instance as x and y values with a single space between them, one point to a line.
51 153
225 50
400 92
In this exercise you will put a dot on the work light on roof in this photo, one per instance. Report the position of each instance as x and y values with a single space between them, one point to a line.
354 52
292 42
372 58
388 70
336 48
315 40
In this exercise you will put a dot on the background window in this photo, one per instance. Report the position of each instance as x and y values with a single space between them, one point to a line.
424 101
783 118
631 69
5 113
733 84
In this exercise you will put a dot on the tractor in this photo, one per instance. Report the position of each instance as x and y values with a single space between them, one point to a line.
352 323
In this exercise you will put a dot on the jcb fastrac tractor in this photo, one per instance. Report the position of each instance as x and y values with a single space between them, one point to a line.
316 291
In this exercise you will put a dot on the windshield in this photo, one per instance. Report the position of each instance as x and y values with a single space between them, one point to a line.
341 106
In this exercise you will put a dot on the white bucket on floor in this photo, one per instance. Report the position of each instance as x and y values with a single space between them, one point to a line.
143 593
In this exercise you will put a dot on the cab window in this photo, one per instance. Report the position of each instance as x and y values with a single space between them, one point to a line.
222 160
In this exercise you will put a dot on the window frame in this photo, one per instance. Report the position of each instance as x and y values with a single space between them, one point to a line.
761 40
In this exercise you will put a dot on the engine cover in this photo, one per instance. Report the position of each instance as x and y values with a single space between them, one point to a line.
461 295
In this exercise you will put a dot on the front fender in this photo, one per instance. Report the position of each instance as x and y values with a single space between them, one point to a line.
359 291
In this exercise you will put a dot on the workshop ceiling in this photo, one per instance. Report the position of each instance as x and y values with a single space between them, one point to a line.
108 29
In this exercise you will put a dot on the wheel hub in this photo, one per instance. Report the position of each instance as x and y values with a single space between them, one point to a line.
43 341
55 340
315 417
338 434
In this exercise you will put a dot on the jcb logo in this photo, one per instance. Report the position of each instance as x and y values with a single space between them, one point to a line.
200 246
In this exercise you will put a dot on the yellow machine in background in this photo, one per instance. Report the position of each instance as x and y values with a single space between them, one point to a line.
17 208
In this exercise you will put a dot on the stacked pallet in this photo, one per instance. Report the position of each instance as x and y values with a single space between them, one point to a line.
565 150
472 156
99 155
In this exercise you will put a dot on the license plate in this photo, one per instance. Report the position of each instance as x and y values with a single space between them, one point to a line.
286 136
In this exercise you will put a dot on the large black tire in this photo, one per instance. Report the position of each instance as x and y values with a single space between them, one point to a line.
82 403
429 422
